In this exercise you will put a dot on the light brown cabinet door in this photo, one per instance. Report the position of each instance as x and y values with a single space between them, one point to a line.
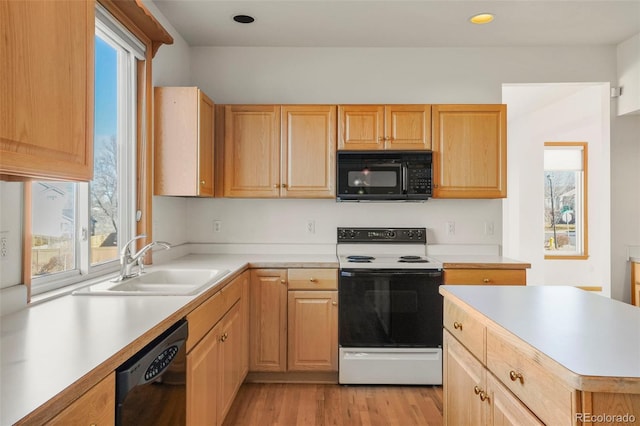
245 309
464 378
470 151
407 127
205 146
313 331
183 150
252 151
203 380
635 283
230 360
308 151
505 409
96 406
361 127
268 329
376 127
46 89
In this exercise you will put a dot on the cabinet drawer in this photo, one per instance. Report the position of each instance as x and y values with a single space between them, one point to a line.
313 279
519 369
204 317
466 327
232 293
486 276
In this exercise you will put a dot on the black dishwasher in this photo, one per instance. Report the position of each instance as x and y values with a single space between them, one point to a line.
143 395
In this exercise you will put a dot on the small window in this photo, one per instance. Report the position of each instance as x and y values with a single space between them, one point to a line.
565 196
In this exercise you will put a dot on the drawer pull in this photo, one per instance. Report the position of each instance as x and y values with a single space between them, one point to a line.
457 325
486 280
516 376
283 281
483 396
313 280
224 337
477 390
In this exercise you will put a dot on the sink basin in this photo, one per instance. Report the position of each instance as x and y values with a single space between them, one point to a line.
163 282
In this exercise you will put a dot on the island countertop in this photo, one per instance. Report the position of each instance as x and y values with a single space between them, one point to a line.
595 338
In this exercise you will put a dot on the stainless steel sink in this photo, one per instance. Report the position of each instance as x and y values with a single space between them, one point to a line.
163 282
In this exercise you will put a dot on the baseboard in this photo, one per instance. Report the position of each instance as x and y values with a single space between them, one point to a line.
323 377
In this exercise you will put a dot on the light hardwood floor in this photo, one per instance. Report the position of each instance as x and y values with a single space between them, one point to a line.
335 405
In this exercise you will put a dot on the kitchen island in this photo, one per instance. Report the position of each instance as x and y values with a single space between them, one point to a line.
552 355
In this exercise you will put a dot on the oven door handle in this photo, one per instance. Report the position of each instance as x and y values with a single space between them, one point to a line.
371 272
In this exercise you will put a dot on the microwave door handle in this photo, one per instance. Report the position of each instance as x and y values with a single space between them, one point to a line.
404 179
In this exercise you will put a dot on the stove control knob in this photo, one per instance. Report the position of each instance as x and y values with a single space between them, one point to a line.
419 234
390 234
352 233
410 234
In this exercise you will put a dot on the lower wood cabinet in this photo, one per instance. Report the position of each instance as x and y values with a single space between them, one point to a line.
268 329
312 330
472 396
216 363
294 320
485 276
492 377
95 407
635 283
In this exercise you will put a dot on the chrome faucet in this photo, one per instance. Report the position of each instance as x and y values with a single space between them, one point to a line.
128 259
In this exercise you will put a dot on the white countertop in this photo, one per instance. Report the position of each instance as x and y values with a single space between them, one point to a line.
588 334
47 347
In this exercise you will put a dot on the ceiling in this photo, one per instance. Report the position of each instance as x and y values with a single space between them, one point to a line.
398 23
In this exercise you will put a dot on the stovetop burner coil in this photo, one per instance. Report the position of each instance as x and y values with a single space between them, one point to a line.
356 258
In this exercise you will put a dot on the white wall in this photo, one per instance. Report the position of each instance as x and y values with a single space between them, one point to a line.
171 67
557 113
11 228
388 75
284 221
628 56
625 201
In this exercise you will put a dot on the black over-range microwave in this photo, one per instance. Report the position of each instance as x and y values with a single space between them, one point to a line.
384 175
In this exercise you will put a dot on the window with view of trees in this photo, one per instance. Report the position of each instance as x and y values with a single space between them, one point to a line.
565 195
77 228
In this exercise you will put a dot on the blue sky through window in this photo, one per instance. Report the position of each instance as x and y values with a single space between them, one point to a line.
106 99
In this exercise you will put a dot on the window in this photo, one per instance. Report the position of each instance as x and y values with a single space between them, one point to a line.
565 200
78 228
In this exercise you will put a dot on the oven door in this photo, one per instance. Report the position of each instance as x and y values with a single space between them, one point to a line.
390 308
362 179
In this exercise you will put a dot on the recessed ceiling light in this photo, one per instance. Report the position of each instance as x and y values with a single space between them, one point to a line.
481 18
243 19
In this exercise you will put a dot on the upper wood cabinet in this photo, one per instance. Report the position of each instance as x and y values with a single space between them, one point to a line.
183 151
275 151
470 151
374 127
46 89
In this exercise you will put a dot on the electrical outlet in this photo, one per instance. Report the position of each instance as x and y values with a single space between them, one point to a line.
311 226
451 228
217 226
3 247
488 228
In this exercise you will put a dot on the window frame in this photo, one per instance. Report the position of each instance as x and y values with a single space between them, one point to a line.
583 146
140 22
